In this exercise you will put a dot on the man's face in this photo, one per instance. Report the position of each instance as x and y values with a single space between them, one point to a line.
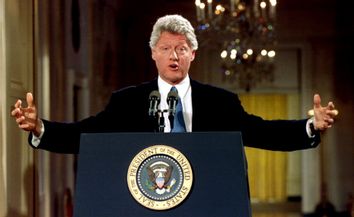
173 57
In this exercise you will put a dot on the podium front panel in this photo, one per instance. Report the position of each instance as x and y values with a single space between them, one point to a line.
219 187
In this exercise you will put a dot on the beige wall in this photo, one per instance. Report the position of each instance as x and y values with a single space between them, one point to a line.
16 51
3 208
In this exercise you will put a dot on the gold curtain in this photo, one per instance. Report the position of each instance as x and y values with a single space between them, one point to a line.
266 169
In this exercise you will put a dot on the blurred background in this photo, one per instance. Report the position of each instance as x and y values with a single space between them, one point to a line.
73 53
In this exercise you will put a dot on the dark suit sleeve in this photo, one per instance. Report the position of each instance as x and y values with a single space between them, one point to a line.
65 137
122 114
278 135
59 137
216 109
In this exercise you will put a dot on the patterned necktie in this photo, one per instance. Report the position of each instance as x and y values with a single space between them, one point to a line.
178 123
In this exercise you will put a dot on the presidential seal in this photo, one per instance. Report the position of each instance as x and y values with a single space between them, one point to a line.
160 177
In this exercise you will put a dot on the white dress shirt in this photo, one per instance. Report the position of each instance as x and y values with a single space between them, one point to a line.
185 93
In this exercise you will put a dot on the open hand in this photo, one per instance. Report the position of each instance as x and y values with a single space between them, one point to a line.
27 118
323 116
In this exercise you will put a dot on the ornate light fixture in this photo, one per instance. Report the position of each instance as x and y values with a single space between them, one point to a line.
244 32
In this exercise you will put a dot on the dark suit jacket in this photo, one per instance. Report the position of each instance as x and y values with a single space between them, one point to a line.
214 109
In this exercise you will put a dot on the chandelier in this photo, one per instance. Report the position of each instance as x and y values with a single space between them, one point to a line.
243 32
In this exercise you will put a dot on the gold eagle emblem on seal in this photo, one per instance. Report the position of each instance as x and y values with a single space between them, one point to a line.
160 177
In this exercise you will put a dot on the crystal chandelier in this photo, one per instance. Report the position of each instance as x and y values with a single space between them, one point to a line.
243 31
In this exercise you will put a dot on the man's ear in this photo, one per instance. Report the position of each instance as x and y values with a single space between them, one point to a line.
153 53
193 55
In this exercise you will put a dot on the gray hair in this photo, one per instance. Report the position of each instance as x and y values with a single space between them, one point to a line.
174 24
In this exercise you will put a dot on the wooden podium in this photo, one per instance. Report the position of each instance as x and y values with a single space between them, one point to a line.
219 188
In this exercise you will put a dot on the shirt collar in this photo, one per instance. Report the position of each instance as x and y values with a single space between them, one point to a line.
182 87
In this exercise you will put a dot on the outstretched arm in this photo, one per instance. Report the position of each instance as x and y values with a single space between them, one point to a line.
27 118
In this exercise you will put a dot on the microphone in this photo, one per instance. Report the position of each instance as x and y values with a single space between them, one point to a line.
172 100
154 100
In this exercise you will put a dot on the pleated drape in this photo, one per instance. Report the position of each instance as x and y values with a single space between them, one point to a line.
266 169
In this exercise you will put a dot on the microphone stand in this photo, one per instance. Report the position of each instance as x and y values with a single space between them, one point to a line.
158 115
161 121
171 118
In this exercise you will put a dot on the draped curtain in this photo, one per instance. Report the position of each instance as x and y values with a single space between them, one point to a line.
266 169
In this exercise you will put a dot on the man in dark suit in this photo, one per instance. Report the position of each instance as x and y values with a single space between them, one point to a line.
173 45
